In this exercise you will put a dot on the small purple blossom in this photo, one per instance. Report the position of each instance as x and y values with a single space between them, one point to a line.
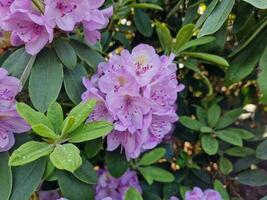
136 91
198 194
10 121
110 188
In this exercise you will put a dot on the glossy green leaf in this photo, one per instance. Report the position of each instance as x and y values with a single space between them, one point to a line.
225 165
261 151
197 42
86 173
207 13
143 23
209 144
47 72
213 115
55 115
44 131
191 123
261 4
65 52
183 36
254 178
239 151
230 136
67 126
66 157
218 186
26 179
132 194
30 152
244 134
5 176
152 156
90 131
157 174
229 118
93 147
217 18
146 6
73 83
262 76
164 35
116 163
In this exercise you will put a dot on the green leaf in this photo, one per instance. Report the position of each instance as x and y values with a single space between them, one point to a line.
30 152
16 63
44 131
226 166
93 147
86 173
217 18
66 157
116 163
26 179
183 36
261 4
5 177
264 198
31 116
218 186
157 174
49 170
132 194
229 118
261 151
73 83
47 72
254 178
164 35
152 156
146 6
239 151
197 42
78 191
208 57
142 23
85 53
68 123
147 175
244 134
207 13
191 123
206 129
214 113
90 131
262 76
210 144
230 137
56 117
66 53
80 113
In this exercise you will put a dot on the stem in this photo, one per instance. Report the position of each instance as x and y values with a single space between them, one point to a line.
39 5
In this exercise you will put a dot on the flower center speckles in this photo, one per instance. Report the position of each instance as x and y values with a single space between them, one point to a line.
5 3
142 69
6 94
65 7
37 28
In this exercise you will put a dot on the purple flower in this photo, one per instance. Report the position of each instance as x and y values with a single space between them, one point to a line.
136 91
109 188
5 9
66 13
198 194
10 121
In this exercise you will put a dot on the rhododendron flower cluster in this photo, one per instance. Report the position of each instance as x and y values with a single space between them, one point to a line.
35 28
198 194
137 91
10 121
110 188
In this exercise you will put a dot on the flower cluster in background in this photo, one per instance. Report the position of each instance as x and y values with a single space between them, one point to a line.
35 27
198 194
110 188
137 91
10 121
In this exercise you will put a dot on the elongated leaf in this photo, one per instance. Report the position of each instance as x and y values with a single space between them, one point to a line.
31 116
85 53
86 173
30 152
152 156
44 131
116 163
132 194
197 42
90 131
158 174
16 63
66 53
210 144
217 18
26 179
146 6
226 166
214 113
73 83
261 4
5 176
66 157
262 76
47 72
142 23
55 115
254 178
183 36
239 151
208 57
164 35
229 118
261 151
244 134
207 13
218 186
230 137
79 190
93 147
191 123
